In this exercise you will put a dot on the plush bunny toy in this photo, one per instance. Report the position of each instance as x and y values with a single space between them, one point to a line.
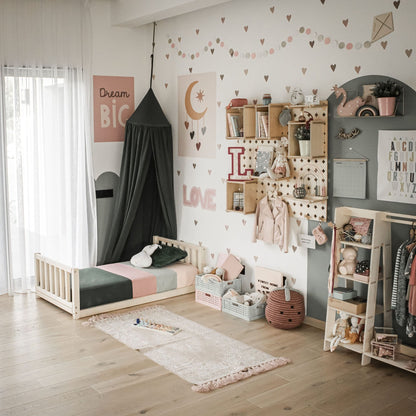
280 168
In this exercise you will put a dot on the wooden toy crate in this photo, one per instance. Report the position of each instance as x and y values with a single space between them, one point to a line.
248 313
208 299
216 288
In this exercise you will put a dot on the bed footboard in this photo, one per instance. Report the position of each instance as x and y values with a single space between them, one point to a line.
58 284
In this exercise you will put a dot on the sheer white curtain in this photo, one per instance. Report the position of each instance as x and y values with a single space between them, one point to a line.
46 135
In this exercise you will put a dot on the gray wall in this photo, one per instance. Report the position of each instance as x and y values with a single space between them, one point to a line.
365 144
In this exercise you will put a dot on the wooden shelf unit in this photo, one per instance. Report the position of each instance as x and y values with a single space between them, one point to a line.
380 245
248 188
312 171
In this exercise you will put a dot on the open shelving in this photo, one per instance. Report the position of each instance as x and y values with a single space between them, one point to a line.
380 251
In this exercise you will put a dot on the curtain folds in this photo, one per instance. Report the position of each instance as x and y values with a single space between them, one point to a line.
46 136
145 205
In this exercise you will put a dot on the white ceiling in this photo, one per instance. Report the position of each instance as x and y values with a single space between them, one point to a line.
134 13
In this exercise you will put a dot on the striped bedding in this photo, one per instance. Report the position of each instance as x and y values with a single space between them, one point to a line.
120 281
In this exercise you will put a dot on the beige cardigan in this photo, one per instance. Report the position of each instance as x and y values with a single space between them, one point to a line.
272 222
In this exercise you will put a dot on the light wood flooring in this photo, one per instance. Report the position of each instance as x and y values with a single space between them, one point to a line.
53 365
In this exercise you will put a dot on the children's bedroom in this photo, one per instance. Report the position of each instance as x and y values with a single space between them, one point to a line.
207 207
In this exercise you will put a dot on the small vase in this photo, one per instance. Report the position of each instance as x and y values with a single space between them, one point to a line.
305 147
386 105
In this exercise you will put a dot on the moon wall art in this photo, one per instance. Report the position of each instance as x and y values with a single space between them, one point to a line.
197 115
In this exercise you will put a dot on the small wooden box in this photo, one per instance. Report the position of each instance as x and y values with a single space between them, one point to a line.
385 335
384 350
355 306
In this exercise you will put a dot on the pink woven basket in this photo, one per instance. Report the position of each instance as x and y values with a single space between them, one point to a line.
282 313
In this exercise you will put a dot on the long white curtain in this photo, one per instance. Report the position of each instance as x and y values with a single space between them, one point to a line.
46 135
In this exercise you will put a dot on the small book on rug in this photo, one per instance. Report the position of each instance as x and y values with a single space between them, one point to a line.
153 326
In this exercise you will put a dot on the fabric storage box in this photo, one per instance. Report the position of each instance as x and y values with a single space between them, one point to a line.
385 350
216 288
344 293
248 313
208 299
354 306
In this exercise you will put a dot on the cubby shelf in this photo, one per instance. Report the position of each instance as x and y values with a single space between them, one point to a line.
311 171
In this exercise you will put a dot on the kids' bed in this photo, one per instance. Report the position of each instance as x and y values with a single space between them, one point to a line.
85 292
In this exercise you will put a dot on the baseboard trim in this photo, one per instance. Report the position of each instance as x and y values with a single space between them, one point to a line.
316 323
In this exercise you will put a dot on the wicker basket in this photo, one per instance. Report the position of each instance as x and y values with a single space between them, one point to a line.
216 288
282 313
248 313
208 300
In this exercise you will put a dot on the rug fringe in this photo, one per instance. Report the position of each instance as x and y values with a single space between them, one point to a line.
240 375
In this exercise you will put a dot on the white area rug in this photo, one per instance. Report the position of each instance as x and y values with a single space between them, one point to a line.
199 355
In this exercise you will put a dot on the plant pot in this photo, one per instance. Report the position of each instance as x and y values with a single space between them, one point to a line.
305 147
386 105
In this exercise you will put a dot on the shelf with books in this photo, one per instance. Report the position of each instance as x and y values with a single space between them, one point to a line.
234 129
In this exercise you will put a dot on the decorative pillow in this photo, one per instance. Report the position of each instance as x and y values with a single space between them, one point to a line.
167 255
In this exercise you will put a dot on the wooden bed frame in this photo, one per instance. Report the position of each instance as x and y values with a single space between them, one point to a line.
59 284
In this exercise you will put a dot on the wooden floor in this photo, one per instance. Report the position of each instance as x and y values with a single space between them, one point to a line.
53 365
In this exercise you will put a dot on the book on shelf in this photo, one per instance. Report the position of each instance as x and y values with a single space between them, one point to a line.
235 123
260 132
265 123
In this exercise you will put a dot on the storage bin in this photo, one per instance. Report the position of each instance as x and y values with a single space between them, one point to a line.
208 299
216 288
248 313
384 350
355 306
282 313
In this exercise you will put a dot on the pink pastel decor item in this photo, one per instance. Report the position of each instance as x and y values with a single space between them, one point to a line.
347 108
386 105
232 267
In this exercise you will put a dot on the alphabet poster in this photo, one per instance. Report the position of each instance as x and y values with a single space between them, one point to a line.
197 115
396 166
113 105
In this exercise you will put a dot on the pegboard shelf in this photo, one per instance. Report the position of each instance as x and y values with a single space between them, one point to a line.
311 171
309 199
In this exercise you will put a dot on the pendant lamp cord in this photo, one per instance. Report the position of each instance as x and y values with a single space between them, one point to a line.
153 51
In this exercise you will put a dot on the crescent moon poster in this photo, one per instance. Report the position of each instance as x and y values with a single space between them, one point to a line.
197 115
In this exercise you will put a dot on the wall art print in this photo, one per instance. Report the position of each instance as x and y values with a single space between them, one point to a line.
197 115
396 166
113 105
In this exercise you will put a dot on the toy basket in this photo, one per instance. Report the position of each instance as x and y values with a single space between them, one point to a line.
208 299
248 313
285 308
216 288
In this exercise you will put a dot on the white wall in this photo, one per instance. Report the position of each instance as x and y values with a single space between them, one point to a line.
305 61
118 51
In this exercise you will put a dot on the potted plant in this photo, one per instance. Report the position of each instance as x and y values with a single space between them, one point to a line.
386 93
303 135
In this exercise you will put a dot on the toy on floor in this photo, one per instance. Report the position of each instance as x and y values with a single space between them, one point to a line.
141 323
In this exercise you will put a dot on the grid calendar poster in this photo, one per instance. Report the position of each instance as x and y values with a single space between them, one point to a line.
396 166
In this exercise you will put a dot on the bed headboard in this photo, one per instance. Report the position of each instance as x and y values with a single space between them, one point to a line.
196 254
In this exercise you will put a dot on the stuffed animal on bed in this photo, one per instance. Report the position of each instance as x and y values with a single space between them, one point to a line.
144 259
280 167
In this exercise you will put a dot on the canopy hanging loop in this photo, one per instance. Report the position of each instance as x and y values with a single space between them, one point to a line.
152 55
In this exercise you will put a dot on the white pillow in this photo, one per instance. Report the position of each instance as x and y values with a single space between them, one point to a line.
143 258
